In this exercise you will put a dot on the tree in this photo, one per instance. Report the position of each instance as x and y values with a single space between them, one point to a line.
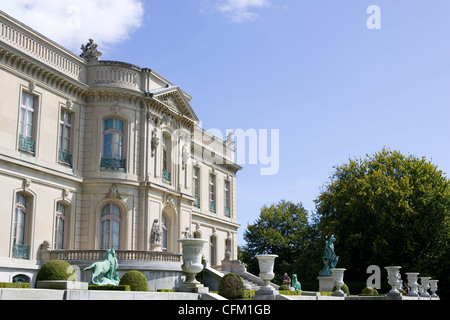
281 229
387 209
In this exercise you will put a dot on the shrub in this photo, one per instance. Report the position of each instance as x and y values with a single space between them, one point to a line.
284 287
56 270
231 286
14 285
136 280
369 291
343 288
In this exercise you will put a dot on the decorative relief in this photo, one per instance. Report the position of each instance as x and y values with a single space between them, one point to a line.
113 193
89 51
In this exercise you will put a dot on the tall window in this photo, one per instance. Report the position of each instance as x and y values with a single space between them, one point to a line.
110 227
26 123
60 226
165 232
196 186
21 212
166 174
212 250
65 136
227 198
112 144
212 192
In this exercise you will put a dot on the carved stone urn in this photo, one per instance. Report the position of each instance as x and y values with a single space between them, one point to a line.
412 284
424 286
192 259
393 280
266 263
434 287
338 278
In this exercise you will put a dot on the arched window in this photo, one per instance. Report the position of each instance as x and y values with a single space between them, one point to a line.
166 172
110 227
20 249
113 144
165 232
60 226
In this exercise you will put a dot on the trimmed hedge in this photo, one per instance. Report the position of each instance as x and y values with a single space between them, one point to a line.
14 285
231 286
56 270
135 279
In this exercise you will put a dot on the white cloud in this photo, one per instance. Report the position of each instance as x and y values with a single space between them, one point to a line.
242 10
72 22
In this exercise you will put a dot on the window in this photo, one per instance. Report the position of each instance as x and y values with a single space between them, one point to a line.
212 192
60 226
21 212
196 186
64 139
212 249
110 227
112 144
165 235
166 174
227 198
26 123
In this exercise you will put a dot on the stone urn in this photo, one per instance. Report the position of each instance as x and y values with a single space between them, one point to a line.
424 286
393 280
192 259
412 284
266 263
338 278
433 288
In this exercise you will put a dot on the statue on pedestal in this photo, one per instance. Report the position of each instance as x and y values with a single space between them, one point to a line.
107 268
155 236
330 259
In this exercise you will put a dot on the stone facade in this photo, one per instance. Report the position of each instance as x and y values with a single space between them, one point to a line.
92 152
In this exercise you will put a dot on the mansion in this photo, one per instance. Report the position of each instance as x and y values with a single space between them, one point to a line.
93 153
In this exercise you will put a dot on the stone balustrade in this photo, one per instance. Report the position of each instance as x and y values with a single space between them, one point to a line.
122 255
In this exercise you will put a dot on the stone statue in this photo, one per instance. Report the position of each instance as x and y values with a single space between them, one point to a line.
295 284
186 233
89 51
330 259
155 236
107 268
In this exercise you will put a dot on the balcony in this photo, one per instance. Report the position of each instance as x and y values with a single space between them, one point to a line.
65 158
27 145
113 163
166 176
21 251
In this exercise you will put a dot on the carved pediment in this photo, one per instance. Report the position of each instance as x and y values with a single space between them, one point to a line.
174 100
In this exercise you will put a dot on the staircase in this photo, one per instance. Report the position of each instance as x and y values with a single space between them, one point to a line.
251 282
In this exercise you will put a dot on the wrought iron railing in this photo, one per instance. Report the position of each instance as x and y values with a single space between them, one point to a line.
166 176
227 211
212 206
113 163
65 157
27 145
21 251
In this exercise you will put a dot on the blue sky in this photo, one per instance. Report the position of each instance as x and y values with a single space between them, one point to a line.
312 69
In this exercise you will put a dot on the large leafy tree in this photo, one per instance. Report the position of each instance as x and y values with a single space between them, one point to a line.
281 229
387 209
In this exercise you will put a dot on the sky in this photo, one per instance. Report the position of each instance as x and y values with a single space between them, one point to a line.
335 79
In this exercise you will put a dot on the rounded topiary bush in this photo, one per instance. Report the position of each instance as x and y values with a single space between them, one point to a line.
369 291
231 286
136 280
56 270
284 287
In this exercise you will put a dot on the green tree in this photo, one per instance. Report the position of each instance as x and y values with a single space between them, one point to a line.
281 229
387 209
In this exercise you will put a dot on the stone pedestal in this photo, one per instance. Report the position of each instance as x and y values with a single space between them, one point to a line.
156 247
266 294
326 284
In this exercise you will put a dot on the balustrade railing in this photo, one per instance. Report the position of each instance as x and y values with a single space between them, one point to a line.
122 255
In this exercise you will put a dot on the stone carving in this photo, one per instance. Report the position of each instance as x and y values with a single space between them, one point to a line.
89 51
155 142
113 193
155 236
186 233
330 259
107 268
